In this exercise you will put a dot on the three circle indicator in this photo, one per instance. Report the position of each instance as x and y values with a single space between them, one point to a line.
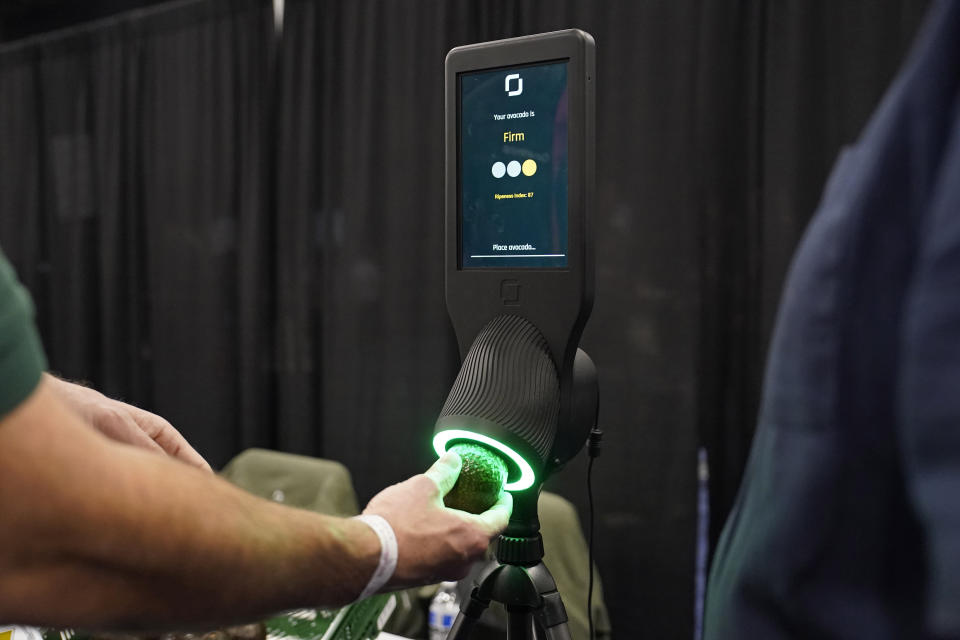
514 168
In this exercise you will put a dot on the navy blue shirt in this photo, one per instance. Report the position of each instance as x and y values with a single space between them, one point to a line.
847 524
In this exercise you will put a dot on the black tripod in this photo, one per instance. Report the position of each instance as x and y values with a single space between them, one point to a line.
519 580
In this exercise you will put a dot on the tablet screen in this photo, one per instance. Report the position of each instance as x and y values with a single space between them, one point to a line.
513 167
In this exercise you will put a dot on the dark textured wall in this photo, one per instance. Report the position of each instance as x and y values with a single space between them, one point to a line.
24 18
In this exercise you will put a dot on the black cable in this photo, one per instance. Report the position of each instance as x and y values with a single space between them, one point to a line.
590 550
593 450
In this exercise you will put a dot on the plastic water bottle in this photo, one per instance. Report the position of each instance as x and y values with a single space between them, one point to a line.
443 610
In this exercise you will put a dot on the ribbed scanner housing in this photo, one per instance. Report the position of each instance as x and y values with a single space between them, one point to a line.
509 378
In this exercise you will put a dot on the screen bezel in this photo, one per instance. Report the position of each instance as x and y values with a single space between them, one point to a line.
556 300
460 247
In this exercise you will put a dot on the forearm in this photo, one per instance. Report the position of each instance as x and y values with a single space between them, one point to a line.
106 535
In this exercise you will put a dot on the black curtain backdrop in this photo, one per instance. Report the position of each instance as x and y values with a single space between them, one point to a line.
243 232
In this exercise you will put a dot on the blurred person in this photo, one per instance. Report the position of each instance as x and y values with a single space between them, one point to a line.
847 523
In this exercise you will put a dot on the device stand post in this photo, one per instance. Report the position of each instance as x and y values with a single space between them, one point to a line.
519 623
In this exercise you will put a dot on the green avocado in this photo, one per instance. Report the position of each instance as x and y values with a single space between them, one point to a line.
481 479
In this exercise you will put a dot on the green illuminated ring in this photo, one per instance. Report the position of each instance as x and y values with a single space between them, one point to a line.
527 476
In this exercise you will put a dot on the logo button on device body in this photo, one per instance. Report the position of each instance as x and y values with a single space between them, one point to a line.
510 293
519 83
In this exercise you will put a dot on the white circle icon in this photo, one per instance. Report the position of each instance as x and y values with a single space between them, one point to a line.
498 169
513 168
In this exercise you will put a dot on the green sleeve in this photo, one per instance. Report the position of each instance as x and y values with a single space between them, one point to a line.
21 354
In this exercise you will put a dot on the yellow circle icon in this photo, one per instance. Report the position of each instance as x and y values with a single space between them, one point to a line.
529 167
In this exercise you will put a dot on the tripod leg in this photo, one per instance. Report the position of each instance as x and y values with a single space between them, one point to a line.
558 632
552 617
470 612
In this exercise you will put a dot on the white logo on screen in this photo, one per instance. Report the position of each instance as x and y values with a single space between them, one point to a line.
518 90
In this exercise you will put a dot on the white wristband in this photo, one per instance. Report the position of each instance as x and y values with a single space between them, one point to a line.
388 553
